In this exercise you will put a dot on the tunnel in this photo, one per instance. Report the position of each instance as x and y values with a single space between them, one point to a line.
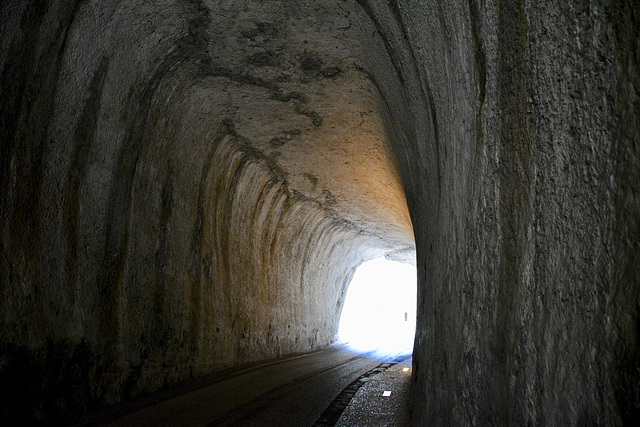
188 186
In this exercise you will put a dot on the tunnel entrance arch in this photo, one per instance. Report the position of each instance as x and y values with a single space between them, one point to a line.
379 312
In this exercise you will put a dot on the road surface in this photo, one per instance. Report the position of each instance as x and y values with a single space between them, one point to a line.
288 392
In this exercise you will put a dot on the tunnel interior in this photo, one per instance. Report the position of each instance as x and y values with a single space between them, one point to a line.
190 186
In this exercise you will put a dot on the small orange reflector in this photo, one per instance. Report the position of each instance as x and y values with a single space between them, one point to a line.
405 369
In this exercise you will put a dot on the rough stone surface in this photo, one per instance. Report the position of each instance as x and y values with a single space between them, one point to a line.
189 185
186 186
527 220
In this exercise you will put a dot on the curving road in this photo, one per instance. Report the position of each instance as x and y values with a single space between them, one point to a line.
287 392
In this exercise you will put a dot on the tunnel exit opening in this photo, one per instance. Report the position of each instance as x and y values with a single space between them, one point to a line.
379 312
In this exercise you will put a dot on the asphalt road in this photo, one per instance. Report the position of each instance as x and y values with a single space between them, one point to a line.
287 392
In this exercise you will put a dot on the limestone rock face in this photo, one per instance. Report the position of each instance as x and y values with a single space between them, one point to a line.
523 188
186 186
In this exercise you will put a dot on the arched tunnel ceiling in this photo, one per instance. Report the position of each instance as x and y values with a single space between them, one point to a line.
196 183
187 186
290 79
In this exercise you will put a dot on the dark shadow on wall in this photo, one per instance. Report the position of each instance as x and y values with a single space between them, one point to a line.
37 386
627 375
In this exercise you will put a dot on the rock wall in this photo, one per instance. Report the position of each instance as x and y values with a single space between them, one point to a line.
521 157
185 187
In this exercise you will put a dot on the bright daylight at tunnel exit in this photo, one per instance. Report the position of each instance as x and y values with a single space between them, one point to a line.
379 312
